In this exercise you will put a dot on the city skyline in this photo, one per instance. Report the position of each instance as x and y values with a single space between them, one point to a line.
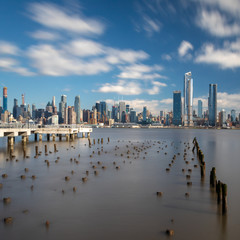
139 58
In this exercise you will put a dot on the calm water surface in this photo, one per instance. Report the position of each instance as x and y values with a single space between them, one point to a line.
122 204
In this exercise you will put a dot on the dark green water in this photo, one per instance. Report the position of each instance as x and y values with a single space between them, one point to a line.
122 204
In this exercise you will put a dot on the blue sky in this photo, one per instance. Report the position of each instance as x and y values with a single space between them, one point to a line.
137 51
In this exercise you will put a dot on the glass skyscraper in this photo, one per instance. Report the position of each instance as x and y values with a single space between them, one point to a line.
187 99
212 104
177 108
77 108
200 109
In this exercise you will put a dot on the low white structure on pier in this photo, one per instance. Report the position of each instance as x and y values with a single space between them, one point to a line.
67 131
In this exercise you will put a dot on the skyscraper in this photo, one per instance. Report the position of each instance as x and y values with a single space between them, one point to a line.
223 117
212 105
4 99
15 106
103 110
177 108
233 115
188 99
62 107
122 108
144 114
200 109
77 108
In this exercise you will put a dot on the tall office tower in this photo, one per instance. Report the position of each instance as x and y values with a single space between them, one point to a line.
114 113
200 115
77 108
177 108
34 110
223 117
212 105
53 102
144 114
133 116
233 115
62 107
122 108
15 106
188 99
103 110
4 99
23 100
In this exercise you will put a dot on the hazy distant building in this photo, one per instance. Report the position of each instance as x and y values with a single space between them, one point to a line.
177 108
122 108
144 114
133 116
200 115
187 99
71 115
212 105
233 115
223 117
77 108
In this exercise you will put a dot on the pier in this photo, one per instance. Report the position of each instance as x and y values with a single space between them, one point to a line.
51 131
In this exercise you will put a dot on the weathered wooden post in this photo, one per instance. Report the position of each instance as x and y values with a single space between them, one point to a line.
224 198
101 140
213 177
36 150
55 147
45 149
94 141
219 191
108 139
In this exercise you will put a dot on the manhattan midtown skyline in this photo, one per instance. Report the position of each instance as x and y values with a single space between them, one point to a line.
136 51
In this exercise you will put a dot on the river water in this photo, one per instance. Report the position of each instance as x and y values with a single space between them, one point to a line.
121 203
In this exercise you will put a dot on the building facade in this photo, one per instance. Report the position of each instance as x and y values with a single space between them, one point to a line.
177 108
212 105
188 99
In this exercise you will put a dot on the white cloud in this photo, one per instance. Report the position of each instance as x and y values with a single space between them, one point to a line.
228 101
117 56
184 48
226 57
52 16
84 47
166 57
230 6
8 48
44 35
126 87
217 24
122 87
56 62
151 25
141 72
11 65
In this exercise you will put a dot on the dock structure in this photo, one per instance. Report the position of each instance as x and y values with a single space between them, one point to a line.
60 131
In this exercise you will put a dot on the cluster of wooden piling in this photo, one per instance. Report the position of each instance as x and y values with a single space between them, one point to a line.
221 190
200 157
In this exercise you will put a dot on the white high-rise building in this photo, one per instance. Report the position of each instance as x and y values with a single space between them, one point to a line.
188 99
